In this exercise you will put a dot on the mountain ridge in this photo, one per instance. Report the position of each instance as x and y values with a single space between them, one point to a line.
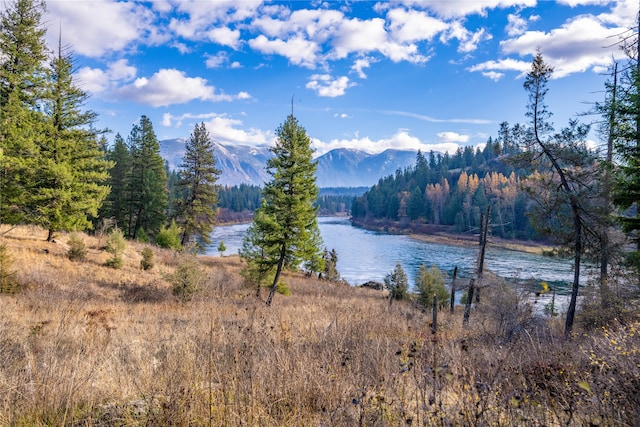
341 167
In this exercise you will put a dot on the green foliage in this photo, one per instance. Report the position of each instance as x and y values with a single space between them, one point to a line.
115 205
77 248
196 193
169 238
53 171
331 265
188 277
430 282
284 232
222 247
116 245
8 282
397 283
146 192
146 263
283 289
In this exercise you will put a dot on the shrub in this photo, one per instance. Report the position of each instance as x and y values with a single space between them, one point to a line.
77 248
397 283
8 282
116 244
429 281
146 263
169 238
187 278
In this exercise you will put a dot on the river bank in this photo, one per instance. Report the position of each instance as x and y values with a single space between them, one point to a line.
444 235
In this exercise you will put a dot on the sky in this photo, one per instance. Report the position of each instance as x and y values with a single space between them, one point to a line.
405 74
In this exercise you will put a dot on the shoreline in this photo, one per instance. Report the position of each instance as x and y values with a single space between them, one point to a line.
462 240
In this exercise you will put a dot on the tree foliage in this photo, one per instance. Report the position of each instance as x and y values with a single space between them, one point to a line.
196 188
284 232
147 186
397 283
430 282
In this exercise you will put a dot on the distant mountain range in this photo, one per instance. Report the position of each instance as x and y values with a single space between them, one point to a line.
342 167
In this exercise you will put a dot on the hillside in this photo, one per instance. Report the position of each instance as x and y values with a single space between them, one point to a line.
83 344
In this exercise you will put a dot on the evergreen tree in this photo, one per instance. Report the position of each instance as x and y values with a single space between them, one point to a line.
285 230
22 84
197 188
147 188
70 184
430 282
115 205
397 283
564 190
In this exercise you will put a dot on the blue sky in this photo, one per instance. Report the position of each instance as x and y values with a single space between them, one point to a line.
428 74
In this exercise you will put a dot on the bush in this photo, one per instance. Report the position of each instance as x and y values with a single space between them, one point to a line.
146 263
8 282
169 238
77 248
397 283
116 245
429 281
188 278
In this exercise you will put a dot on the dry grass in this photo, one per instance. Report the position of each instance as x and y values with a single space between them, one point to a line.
83 344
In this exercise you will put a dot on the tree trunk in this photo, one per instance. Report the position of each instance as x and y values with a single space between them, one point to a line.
577 253
434 321
272 291
467 305
452 303
50 235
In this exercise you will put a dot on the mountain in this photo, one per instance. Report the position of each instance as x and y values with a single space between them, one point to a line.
345 167
239 164
342 167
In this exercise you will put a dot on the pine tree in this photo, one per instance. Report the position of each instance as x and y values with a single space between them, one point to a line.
22 83
147 187
285 232
70 185
429 281
115 206
196 188
564 191
397 283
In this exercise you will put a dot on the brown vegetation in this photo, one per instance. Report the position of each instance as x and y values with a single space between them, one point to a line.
84 344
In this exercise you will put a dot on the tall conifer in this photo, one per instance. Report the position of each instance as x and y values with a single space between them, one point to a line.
196 188
147 189
285 230
22 83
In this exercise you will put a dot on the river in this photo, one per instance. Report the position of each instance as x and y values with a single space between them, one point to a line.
365 255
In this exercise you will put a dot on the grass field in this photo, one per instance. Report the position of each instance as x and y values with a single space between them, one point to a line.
82 344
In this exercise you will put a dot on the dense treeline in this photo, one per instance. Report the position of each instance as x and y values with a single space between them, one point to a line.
238 202
453 191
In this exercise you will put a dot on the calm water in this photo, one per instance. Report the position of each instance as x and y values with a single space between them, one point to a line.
367 255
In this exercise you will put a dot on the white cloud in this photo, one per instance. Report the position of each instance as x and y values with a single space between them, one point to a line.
171 86
436 120
218 60
401 140
96 80
326 85
413 25
453 137
95 28
495 67
360 64
516 25
221 128
225 36
454 9
298 50
576 46
468 41
493 75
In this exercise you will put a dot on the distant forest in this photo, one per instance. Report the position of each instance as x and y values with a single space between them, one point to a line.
453 191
